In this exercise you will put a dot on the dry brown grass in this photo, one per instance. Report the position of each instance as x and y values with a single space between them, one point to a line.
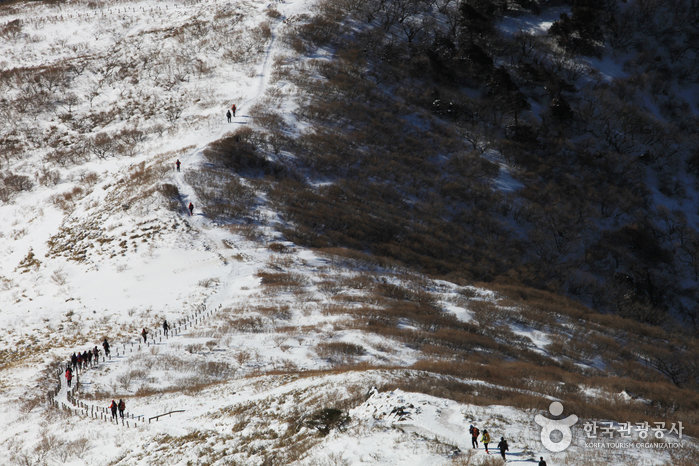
283 281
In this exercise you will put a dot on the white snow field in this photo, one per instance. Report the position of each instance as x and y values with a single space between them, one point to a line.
96 254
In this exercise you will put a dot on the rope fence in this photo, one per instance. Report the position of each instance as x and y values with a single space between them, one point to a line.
78 407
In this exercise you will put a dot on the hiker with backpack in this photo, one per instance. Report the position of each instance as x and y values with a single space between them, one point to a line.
486 440
144 333
113 407
503 447
166 327
122 407
474 436
178 164
191 208
228 115
233 109
105 345
69 375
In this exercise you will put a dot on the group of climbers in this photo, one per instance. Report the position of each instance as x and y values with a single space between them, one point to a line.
485 438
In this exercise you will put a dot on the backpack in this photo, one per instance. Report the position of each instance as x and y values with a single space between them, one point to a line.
122 406
475 432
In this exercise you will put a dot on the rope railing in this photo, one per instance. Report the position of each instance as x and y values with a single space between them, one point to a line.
76 406
165 414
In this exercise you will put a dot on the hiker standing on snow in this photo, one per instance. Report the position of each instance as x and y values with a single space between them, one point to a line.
144 333
113 407
474 436
486 440
233 109
105 345
191 208
542 462
69 375
74 361
166 327
96 355
122 407
178 164
228 115
504 447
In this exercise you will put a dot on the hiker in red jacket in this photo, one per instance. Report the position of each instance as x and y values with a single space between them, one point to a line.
474 436
178 164
69 376
233 110
113 407
191 208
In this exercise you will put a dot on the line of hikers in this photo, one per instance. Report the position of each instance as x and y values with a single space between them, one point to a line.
166 330
121 406
90 358
485 438
228 113
85 360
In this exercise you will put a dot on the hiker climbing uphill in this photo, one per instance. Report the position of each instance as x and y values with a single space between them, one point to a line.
144 334
503 446
178 164
69 375
113 407
233 110
191 208
474 436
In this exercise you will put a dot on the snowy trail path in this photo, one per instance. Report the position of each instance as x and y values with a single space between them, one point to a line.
119 355
188 195
195 156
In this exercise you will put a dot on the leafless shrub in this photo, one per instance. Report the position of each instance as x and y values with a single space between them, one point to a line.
273 13
339 353
47 177
281 312
101 145
59 277
79 447
194 348
283 281
278 248
28 404
208 282
216 370
14 184
11 30
125 380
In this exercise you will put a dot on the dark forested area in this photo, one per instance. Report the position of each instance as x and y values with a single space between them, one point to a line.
426 103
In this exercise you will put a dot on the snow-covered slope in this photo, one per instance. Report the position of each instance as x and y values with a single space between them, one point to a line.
96 254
